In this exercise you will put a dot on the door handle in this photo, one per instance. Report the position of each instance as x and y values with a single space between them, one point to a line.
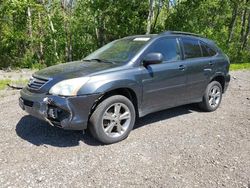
182 67
211 63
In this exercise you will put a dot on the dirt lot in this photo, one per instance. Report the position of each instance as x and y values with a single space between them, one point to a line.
180 147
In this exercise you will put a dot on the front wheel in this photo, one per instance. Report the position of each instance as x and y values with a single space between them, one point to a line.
113 119
212 97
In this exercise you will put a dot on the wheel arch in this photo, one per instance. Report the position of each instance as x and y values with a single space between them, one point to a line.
221 79
124 91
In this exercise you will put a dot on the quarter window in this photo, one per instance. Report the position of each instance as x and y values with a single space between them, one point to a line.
191 48
206 50
168 47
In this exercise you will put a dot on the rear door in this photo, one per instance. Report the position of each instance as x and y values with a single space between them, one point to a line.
164 85
199 68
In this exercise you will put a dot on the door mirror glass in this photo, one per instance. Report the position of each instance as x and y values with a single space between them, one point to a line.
152 58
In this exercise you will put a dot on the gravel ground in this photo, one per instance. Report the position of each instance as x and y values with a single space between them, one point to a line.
179 147
16 74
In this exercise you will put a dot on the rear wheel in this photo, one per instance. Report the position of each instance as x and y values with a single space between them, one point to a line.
212 97
113 119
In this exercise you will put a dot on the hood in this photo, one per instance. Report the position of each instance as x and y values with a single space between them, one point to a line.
74 69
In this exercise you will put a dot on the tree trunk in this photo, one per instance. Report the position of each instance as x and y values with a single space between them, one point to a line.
66 6
66 35
100 31
243 27
30 29
168 4
51 25
232 23
246 33
157 14
53 31
70 39
150 16
40 53
243 23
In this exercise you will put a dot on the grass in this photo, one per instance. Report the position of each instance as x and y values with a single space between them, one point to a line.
5 82
240 66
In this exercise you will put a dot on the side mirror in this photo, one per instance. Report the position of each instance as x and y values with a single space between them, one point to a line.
152 58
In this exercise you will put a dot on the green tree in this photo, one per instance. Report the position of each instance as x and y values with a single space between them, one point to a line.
38 33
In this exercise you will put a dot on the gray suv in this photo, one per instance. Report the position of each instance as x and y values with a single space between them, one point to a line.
128 78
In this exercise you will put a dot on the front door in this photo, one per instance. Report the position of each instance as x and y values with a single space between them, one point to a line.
164 85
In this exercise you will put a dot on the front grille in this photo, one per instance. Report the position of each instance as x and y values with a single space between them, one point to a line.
36 83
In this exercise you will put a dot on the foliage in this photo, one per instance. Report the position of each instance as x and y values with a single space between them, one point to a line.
5 82
240 66
40 33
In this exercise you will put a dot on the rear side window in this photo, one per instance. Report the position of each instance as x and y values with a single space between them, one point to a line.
206 50
191 48
168 47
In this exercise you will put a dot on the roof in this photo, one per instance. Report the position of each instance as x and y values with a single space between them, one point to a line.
180 33
169 33
202 38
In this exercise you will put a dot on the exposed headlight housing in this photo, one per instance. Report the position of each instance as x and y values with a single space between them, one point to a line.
68 87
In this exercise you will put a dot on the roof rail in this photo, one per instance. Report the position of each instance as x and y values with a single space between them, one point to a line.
181 33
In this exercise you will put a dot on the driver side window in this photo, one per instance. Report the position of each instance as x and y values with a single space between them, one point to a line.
168 47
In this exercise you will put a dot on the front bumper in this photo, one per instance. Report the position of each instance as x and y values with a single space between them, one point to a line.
66 112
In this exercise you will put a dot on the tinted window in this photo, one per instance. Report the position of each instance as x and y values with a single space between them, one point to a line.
191 48
168 47
206 50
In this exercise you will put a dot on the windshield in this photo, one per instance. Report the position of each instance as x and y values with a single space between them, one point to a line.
119 51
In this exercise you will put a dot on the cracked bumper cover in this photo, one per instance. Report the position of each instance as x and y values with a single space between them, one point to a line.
70 112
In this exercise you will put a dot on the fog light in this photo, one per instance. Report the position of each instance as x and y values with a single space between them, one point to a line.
56 114
52 113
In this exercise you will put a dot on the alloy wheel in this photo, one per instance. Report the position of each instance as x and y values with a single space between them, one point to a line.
214 96
116 120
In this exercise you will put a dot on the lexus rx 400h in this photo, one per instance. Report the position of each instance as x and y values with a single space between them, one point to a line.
128 78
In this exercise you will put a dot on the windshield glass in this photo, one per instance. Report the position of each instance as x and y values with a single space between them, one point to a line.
119 51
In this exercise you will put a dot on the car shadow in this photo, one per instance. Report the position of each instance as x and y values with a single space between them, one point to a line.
166 114
40 133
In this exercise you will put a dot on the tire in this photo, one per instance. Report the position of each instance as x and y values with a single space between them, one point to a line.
212 97
112 120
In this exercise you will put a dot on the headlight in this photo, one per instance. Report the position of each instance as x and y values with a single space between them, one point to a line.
68 87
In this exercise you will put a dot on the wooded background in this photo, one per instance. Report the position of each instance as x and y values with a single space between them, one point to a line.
39 33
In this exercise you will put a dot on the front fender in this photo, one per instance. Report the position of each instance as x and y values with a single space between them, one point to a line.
106 83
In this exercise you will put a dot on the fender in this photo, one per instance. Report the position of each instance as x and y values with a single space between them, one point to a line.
101 84
217 74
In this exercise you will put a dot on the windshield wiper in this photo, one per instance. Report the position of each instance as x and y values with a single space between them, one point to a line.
99 60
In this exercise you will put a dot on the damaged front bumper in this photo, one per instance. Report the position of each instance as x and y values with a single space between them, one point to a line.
66 112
